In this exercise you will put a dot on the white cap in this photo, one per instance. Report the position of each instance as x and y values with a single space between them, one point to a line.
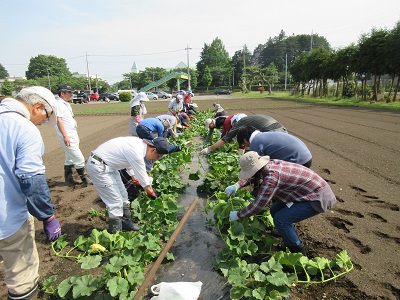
179 97
237 117
39 94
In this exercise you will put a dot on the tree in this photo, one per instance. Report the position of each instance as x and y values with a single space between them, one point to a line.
3 72
217 59
240 60
207 77
374 53
44 65
393 64
7 87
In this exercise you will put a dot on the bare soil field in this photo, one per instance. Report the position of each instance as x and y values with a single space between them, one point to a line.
356 150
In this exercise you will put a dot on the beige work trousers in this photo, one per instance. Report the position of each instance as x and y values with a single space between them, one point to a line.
21 260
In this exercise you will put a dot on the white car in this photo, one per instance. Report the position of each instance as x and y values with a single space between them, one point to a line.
150 95
163 95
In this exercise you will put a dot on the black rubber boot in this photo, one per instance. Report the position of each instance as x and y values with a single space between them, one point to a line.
115 225
127 224
298 249
85 179
68 173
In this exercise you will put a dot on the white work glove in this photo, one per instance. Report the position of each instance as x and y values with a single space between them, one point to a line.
205 151
241 151
232 189
233 216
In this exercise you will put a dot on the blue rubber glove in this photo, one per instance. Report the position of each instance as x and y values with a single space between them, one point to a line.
231 190
233 216
52 228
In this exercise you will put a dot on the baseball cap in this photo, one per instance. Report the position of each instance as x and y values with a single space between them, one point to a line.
161 145
65 88
43 95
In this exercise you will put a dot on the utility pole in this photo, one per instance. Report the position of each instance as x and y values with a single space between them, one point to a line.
48 78
88 74
188 68
286 72
97 85
311 42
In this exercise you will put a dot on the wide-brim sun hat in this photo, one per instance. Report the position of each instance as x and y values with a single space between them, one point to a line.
142 97
44 96
250 163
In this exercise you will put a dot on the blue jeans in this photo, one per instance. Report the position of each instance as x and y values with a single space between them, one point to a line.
285 217
144 133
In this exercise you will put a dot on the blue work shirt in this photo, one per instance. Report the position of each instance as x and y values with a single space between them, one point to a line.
280 145
23 188
155 125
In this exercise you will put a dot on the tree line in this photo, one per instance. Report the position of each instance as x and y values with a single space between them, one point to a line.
306 62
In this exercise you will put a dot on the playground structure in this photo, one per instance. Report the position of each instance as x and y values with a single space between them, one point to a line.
181 76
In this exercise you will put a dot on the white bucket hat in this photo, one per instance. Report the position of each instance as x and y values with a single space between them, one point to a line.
250 163
142 96
207 123
41 95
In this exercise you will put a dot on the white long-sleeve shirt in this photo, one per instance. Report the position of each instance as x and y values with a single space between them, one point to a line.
126 153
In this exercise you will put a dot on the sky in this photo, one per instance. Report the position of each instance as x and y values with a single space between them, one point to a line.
105 37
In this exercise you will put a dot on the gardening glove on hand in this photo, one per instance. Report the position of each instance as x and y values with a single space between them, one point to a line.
52 228
152 195
241 151
205 151
233 216
251 199
232 189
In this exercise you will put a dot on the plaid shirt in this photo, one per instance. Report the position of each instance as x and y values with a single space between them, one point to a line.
287 182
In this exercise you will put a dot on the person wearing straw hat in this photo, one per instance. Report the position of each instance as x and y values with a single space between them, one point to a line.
24 192
298 193
103 165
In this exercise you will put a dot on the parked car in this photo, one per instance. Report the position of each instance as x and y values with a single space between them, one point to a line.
221 92
164 95
79 97
110 96
150 95
133 92
94 97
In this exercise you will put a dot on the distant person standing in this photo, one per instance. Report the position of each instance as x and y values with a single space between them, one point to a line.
138 110
68 138
24 192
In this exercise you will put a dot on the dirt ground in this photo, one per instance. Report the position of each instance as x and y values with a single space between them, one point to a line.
355 149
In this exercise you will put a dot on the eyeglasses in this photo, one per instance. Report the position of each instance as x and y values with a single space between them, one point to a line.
47 114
